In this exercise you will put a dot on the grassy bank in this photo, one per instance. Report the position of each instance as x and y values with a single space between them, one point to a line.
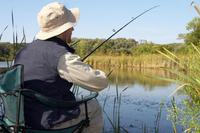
141 61
188 113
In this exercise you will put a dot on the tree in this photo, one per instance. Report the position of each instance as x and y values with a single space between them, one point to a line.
194 32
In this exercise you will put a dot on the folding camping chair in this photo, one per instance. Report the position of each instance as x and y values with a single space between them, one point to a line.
12 95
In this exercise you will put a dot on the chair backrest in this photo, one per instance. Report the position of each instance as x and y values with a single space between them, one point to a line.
12 94
11 82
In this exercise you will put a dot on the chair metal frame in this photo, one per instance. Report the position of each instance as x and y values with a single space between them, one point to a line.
17 128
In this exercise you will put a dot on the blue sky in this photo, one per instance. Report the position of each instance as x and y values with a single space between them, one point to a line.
99 17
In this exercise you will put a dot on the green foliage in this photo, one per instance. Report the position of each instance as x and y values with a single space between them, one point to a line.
7 51
187 116
4 51
150 48
119 46
122 46
194 32
145 49
114 47
84 46
188 75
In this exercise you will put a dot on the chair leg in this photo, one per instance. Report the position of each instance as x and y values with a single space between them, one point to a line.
86 122
81 128
86 115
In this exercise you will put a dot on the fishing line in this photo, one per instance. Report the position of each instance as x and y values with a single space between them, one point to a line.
118 31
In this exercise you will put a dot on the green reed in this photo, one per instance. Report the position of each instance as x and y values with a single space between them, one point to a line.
3 32
188 77
150 61
16 43
10 53
158 117
5 50
115 119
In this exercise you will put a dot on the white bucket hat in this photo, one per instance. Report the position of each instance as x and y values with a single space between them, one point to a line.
55 19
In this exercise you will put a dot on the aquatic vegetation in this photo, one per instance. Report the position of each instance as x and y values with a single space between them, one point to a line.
188 76
114 120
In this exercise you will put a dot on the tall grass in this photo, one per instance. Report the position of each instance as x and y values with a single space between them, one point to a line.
16 43
3 32
158 117
188 77
5 51
152 61
115 119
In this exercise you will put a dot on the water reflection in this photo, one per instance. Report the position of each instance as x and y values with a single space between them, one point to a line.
144 77
140 109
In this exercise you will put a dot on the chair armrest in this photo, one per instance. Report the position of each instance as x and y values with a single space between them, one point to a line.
51 102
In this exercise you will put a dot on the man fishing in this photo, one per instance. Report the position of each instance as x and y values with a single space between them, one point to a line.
51 67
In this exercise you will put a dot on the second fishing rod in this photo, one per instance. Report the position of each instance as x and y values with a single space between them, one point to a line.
93 50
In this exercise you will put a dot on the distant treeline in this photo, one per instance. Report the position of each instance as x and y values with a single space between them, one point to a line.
122 46
119 46
8 50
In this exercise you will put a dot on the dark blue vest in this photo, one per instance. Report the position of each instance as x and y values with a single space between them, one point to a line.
40 59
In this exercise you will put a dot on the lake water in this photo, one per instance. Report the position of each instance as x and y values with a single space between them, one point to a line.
140 102
139 106
4 64
141 98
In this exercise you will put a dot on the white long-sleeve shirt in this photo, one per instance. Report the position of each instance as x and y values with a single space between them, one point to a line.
72 69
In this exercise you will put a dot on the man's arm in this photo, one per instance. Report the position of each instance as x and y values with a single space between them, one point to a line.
72 69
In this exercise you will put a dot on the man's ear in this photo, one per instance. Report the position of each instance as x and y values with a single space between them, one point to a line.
62 36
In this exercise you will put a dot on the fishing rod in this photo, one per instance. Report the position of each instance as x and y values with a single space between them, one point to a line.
118 31
74 43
